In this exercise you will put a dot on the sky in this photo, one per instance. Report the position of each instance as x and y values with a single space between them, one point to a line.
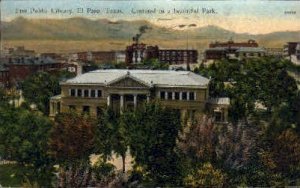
241 16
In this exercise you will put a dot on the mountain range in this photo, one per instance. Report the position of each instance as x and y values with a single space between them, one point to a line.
85 29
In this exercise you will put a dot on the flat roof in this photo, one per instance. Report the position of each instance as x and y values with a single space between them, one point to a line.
251 49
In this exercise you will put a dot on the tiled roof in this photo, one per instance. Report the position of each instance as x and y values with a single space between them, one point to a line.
166 78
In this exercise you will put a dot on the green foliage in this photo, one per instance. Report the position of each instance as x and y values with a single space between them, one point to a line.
104 133
112 135
23 138
154 64
38 88
3 97
206 176
263 80
154 131
151 134
104 172
284 153
10 175
16 175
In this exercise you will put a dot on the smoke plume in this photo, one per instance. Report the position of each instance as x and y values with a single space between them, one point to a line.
142 30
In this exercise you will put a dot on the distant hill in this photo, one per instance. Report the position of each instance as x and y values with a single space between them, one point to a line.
86 29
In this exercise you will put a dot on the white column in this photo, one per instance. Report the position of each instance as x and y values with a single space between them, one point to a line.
173 95
180 95
135 100
108 100
89 92
148 98
188 96
51 108
166 95
76 93
121 103
55 108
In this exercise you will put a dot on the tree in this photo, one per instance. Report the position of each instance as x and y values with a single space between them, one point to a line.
72 137
113 135
38 88
104 173
285 152
197 141
23 138
71 143
3 97
206 176
154 131
155 64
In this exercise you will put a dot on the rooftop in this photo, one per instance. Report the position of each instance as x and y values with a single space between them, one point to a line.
166 78
3 68
251 49
33 61
219 100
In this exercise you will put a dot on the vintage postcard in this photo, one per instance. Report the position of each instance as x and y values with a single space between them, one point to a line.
149 93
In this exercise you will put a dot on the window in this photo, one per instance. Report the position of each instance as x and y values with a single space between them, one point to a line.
72 92
170 95
162 95
72 107
176 95
218 116
93 93
184 96
86 93
192 96
99 93
79 92
99 111
86 109
58 107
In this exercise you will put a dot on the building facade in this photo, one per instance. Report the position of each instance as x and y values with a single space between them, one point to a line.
232 44
123 90
138 52
18 69
290 48
234 50
4 76
99 57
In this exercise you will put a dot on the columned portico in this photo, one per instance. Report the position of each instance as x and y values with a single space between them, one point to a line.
108 100
121 102
135 101
128 90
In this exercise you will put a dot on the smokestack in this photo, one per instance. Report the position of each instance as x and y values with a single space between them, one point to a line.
142 30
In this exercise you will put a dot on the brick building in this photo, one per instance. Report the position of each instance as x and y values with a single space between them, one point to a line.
232 44
20 51
20 68
136 53
4 76
98 57
233 50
